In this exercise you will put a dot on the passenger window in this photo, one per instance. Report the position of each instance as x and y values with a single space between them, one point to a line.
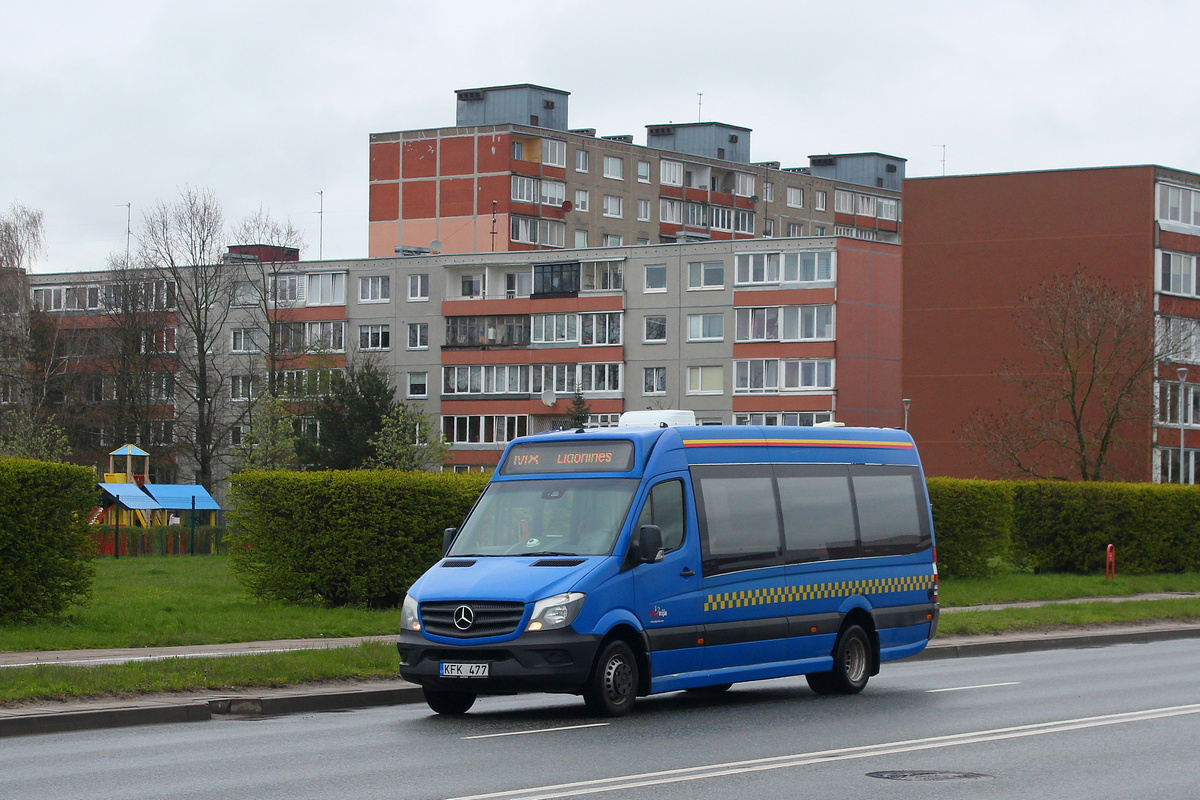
664 508
818 516
889 510
739 519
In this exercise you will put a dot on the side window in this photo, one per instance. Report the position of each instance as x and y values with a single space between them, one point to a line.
890 514
664 508
739 517
818 515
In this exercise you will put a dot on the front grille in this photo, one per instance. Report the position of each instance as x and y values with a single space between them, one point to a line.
490 618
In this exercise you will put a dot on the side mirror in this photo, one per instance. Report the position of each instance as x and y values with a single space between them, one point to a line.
650 544
448 539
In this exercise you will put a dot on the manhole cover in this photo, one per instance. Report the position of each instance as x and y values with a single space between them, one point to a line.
926 775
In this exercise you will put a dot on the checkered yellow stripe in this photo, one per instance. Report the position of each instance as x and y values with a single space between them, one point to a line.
816 591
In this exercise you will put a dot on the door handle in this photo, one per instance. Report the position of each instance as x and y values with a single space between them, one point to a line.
687 572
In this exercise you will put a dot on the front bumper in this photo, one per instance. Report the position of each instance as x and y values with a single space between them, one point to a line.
545 661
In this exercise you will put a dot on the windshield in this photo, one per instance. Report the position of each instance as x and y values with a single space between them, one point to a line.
582 516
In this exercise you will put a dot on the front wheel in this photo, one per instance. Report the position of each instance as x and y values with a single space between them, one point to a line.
445 702
851 665
611 689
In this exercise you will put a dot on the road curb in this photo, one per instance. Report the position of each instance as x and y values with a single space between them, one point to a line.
982 646
83 720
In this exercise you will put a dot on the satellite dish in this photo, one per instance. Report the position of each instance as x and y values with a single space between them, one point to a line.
567 205
754 199
435 246
548 397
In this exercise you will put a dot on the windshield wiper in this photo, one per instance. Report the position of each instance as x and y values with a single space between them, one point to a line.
551 553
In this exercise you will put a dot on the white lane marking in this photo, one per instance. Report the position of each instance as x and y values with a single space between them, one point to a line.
627 782
539 730
977 686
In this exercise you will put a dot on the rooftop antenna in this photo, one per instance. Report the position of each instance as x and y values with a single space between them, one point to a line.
321 226
943 157
128 228
699 105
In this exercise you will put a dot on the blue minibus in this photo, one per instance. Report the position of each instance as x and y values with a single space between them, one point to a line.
620 562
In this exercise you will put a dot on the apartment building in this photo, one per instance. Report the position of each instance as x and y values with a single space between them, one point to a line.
511 176
766 331
976 244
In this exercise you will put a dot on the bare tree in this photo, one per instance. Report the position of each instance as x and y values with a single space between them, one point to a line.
1095 352
22 240
183 242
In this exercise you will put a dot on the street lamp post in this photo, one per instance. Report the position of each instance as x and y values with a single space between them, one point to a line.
906 402
1182 372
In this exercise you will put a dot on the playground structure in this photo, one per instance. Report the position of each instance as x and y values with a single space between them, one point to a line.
129 501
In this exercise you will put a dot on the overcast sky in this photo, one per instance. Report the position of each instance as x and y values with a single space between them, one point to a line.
267 103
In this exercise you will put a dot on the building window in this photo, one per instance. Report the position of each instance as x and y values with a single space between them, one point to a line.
792 418
555 278
327 289
670 211
743 184
613 206
284 288
523 230
795 229
1178 274
242 387
706 380
760 376
602 276
656 278
581 238
552 233
374 337
843 202
48 298
245 340
613 240
582 200
656 330
706 275
599 377
614 167
581 160
598 329
697 215
768 228
643 210
670 173
603 420
554 153
418 384
555 328
819 199
768 192
888 209
486 379
743 221
418 287
818 230
757 268
418 336
706 327
784 324
484 429
245 293
553 193
471 286
795 197
722 218
524 189
806 267
326 336
159 341
375 289
864 205
518 151
654 380
643 171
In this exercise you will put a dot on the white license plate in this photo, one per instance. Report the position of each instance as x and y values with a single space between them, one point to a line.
454 670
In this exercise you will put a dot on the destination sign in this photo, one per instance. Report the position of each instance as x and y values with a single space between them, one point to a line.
539 458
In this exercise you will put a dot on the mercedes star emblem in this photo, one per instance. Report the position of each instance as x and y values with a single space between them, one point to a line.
464 617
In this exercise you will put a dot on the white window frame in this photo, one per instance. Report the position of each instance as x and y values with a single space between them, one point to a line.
646 287
375 289
703 269
409 385
819 199
743 184
646 338
417 326
614 168
670 173
581 160
643 171
643 210
697 323
656 379
670 211
795 197
554 153
326 289
696 383
614 206
756 269
524 189
843 201
375 335
418 288
583 200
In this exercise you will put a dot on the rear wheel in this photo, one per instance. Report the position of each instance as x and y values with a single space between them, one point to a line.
611 689
447 702
852 664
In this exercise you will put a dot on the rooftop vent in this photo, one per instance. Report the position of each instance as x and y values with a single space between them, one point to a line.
822 162
548 104
471 95
583 131
625 138
662 130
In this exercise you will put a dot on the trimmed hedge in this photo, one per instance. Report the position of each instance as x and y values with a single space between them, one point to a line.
160 540
45 553
1067 527
973 522
342 538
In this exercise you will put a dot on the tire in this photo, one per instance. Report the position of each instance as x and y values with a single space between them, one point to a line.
718 688
852 665
612 687
446 702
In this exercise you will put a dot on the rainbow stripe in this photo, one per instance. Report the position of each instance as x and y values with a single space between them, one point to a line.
861 443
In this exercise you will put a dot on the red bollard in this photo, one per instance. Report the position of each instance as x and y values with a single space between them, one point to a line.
1110 563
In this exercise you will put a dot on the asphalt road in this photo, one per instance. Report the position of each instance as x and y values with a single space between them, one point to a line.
1113 722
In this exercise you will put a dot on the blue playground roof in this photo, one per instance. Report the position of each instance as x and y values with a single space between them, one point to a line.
129 450
178 497
130 496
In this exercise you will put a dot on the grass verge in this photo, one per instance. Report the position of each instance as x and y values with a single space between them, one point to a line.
54 682
1024 586
1067 615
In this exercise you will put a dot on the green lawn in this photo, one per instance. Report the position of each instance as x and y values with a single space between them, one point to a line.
175 600
1024 586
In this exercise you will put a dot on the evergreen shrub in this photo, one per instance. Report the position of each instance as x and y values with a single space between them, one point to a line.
45 553
342 537
972 522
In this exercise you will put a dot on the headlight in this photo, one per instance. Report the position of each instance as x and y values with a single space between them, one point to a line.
409 621
556 612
